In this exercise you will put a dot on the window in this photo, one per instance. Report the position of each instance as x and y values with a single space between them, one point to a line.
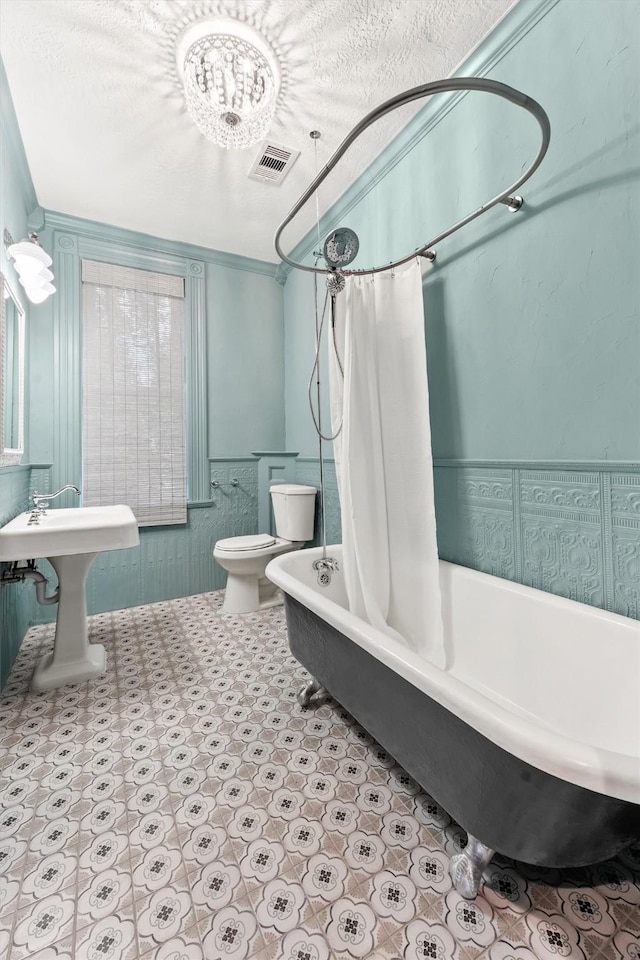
133 391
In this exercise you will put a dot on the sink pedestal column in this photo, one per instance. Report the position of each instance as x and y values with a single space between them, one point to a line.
74 659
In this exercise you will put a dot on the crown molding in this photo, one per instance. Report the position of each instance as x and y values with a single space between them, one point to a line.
135 243
11 143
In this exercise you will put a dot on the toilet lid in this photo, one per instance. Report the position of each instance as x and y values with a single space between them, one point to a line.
255 542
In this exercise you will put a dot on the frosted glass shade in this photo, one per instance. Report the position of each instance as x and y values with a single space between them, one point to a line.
29 257
39 294
36 279
32 266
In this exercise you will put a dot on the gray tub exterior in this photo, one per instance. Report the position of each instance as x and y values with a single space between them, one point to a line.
509 805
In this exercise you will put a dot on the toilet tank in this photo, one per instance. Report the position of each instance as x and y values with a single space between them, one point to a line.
294 510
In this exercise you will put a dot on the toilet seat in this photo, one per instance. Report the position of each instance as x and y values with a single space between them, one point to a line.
251 542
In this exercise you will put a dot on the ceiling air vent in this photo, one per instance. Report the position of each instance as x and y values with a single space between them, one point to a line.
273 163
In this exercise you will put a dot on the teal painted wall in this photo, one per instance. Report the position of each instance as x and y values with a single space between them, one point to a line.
17 199
532 318
235 345
246 362
234 384
299 352
17 196
532 328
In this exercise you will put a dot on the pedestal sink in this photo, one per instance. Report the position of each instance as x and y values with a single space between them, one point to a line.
70 539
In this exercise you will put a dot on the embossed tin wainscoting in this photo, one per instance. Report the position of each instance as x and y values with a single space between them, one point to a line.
177 561
308 471
572 529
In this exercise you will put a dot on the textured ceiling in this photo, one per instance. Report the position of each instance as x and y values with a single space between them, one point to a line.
108 137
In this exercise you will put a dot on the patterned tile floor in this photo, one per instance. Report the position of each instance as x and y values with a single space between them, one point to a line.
185 807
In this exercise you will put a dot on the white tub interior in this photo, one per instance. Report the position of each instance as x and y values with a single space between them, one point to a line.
575 668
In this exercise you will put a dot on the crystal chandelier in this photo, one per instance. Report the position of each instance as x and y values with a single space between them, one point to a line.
231 81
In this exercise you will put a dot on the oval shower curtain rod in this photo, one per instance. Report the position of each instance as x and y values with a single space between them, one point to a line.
416 93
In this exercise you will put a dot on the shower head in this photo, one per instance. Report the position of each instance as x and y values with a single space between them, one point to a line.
341 247
335 282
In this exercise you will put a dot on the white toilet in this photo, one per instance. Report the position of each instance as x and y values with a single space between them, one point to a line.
245 558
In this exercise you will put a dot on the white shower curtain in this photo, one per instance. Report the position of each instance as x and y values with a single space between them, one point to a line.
383 458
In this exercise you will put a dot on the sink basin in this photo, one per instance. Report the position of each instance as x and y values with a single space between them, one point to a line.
70 538
67 531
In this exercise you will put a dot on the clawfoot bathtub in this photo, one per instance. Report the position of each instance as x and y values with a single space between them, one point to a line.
529 738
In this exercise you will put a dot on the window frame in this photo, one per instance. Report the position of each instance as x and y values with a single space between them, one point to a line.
149 295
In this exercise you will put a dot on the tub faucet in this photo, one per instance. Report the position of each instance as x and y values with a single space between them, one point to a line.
325 567
41 501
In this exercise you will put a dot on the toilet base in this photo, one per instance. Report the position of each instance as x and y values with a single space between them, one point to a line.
246 594
247 587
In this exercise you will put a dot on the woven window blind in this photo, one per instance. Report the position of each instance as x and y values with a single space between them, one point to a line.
133 391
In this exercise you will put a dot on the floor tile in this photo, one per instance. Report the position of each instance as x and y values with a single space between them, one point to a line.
163 915
9 896
184 807
61 950
232 933
102 894
113 937
186 946
44 877
41 924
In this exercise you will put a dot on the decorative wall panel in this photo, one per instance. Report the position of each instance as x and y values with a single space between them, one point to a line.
486 528
625 559
40 480
170 562
562 535
572 530
308 471
234 510
14 492
273 467
569 529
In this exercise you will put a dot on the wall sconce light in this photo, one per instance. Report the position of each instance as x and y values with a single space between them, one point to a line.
32 264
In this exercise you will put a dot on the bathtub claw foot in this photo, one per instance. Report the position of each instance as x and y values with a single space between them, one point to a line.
308 691
466 868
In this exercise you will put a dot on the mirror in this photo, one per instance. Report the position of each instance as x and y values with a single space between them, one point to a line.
12 372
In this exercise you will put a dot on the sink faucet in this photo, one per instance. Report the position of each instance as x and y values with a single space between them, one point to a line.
41 501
